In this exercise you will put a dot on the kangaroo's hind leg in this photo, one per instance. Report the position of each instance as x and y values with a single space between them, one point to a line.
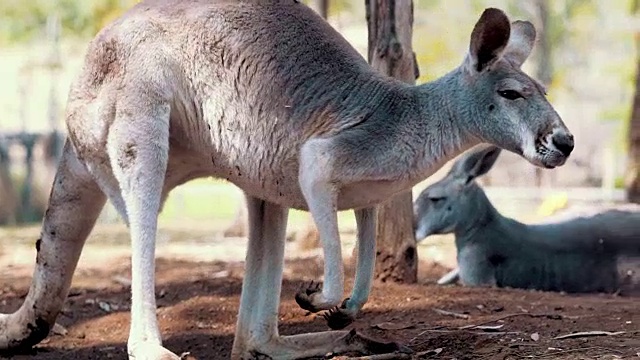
74 205
257 327
138 147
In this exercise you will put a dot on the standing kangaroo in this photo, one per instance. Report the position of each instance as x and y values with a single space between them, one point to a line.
583 254
267 95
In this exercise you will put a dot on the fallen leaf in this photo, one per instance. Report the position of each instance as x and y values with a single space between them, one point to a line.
124 281
59 330
392 326
535 336
220 274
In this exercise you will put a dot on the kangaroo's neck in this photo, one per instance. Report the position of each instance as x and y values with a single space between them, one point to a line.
424 126
446 120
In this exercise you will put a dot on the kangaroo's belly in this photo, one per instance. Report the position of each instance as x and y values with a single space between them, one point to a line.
280 184
266 168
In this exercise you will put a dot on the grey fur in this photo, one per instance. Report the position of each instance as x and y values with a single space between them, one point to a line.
265 94
589 253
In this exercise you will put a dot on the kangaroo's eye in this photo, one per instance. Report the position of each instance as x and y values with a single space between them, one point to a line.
510 94
436 200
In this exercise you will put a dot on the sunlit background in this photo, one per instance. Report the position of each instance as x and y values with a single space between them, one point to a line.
586 56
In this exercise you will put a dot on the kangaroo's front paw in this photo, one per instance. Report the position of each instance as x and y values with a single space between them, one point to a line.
310 298
306 294
341 316
147 350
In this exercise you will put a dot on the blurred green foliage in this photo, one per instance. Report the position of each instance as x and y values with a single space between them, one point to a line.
25 20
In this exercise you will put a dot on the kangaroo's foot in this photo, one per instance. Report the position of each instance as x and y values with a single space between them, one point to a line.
310 298
319 344
149 350
18 333
450 278
75 202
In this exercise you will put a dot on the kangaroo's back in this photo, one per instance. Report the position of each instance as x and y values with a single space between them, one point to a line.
269 55
527 266
238 77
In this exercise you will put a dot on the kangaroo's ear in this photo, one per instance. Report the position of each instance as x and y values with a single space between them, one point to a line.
474 163
488 39
523 36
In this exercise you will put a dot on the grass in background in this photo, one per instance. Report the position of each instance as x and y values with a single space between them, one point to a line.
216 202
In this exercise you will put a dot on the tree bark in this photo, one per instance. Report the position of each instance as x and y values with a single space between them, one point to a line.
632 180
238 227
390 25
544 66
321 7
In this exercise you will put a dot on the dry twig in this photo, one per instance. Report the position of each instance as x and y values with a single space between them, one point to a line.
568 351
392 356
514 315
451 313
588 333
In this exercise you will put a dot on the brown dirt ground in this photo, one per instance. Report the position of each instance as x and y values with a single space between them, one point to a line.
199 301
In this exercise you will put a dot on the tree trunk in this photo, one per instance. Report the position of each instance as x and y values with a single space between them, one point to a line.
238 227
321 7
8 195
390 24
633 166
544 66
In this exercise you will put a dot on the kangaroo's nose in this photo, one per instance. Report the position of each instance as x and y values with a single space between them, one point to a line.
563 142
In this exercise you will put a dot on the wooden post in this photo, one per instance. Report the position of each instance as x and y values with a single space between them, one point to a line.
390 25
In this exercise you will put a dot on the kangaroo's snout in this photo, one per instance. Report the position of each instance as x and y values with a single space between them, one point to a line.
563 141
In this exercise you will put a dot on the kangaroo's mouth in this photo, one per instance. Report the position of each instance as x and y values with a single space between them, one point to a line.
543 152
546 157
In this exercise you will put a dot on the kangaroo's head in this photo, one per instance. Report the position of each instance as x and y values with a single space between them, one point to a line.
509 108
455 201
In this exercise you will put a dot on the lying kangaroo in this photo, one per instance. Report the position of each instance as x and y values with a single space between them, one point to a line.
267 95
583 254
